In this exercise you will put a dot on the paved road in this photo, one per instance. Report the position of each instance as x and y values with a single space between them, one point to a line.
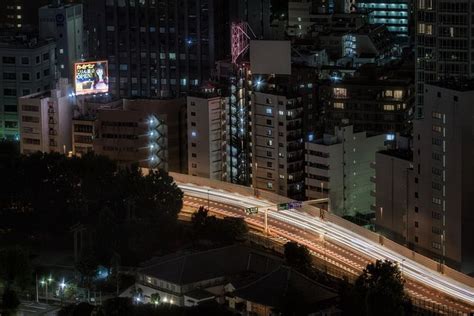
334 244
33 308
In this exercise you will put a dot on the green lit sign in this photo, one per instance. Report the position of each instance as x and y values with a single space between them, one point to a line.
251 210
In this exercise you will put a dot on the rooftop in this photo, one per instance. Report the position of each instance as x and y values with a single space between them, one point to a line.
398 153
200 294
285 282
461 85
186 268
23 42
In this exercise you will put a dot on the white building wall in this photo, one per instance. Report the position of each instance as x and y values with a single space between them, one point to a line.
207 139
340 167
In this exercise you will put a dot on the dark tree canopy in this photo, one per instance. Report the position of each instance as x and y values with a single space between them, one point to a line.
15 267
47 194
298 257
379 290
226 230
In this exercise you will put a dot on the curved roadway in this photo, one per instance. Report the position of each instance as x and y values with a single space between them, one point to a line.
334 244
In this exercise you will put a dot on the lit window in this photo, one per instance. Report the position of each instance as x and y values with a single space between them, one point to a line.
437 115
281 112
437 128
269 185
269 111
340 92
398 94
338 105
389 93
193 134
389 107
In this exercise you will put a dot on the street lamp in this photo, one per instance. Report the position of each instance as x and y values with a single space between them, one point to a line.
45 282
323 237
62 287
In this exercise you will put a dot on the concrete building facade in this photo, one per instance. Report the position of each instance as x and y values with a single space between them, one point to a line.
277 144
443 42
207 136
158 48
442 222
26 67
338 167
393 193
64 24
372 105
395 14
45 121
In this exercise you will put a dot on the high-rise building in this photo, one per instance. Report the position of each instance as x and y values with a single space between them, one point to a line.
441 220
443 42
394 193
64 23
26 67
277 143
207 135
395 14
45 120
338 167
17 14
371 104
158 48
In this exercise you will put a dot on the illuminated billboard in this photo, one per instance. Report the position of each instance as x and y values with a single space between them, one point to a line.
91 77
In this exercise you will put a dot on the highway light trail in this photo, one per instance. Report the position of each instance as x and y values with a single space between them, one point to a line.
334 233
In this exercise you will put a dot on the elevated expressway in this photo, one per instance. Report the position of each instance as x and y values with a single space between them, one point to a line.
337 242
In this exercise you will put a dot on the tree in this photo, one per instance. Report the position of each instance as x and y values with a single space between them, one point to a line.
234 228
379 290
87 266
298 256
10 300
199 219
15 267
155 298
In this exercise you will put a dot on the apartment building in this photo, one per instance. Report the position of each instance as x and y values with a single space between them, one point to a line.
395 14
45 120
338 167
149 132
277 143
26 67
370 103
443 42
441 219
207 135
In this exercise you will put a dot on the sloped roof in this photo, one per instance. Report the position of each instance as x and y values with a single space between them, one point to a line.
193 267
273 287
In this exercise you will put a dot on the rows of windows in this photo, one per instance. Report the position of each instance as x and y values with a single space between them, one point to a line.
11 60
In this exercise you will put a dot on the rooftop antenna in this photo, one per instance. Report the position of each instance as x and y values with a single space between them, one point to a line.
241 34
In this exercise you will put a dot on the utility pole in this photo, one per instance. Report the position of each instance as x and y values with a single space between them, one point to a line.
36 286
266 221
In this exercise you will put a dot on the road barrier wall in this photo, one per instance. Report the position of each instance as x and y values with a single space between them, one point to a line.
332 218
